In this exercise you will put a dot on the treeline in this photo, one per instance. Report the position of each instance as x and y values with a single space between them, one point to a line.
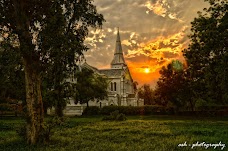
207 111
203 80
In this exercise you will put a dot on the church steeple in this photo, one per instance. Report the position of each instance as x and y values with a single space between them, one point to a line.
118 60
118 43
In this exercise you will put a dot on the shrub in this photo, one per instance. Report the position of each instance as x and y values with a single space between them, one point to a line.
115 116
203 113
91 110
213 108
137 110
106 110
121 117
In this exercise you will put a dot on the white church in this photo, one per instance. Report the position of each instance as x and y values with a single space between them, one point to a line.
120 90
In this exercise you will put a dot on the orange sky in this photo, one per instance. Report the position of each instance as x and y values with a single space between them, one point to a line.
155 54
153 33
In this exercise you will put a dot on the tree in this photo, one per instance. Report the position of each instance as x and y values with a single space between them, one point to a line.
135 85
11 75
147 93
56 94
174 87
207 54
12 88
90 86
45 33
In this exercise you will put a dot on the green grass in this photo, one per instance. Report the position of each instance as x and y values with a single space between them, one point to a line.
138 133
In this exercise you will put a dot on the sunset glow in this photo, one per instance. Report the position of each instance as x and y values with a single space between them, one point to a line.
147 70
153 33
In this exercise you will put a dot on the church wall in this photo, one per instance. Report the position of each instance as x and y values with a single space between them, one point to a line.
130 87
116 81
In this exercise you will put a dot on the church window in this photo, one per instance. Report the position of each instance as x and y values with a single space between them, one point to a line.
111 86
114 86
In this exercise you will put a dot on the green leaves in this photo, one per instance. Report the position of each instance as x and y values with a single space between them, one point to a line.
207 53
174 87
90 86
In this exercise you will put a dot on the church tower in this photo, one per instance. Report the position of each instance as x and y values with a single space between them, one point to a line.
118 61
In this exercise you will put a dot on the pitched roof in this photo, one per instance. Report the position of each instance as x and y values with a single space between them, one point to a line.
86 65
111 72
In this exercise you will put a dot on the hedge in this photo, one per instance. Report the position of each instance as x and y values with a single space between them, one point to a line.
213 108
129 110
153 110
208 113
91 110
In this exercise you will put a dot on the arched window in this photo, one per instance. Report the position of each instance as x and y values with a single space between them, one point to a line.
114 86
111 86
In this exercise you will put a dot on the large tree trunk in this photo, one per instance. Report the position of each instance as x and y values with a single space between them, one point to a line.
23 21
34 103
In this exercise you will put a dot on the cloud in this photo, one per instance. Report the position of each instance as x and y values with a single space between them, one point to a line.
153 38
164 8
156 46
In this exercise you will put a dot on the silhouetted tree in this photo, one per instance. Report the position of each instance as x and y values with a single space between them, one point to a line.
147 93
207 54
45 33
174 87
135 84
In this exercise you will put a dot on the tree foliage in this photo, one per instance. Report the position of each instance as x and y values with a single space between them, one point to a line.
174 87
146 93
11 77
48 35
207 54
90 86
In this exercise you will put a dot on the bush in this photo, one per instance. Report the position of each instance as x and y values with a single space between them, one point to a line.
128 110
138 110
91 110
204 113
121 117
115 116
213 108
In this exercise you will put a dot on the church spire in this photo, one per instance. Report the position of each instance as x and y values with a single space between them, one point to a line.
118 43
118 60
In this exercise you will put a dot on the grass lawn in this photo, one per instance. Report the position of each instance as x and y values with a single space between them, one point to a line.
138 133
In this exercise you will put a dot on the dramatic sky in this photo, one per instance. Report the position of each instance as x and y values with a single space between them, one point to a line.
153 33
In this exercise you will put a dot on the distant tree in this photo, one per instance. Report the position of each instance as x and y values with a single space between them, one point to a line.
56 94
90 86
173 87
11 76
135 85
147 93
45 33
207 54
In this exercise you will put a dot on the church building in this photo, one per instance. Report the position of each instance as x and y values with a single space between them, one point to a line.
121 90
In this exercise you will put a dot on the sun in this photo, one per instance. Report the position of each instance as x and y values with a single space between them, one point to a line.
147 70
